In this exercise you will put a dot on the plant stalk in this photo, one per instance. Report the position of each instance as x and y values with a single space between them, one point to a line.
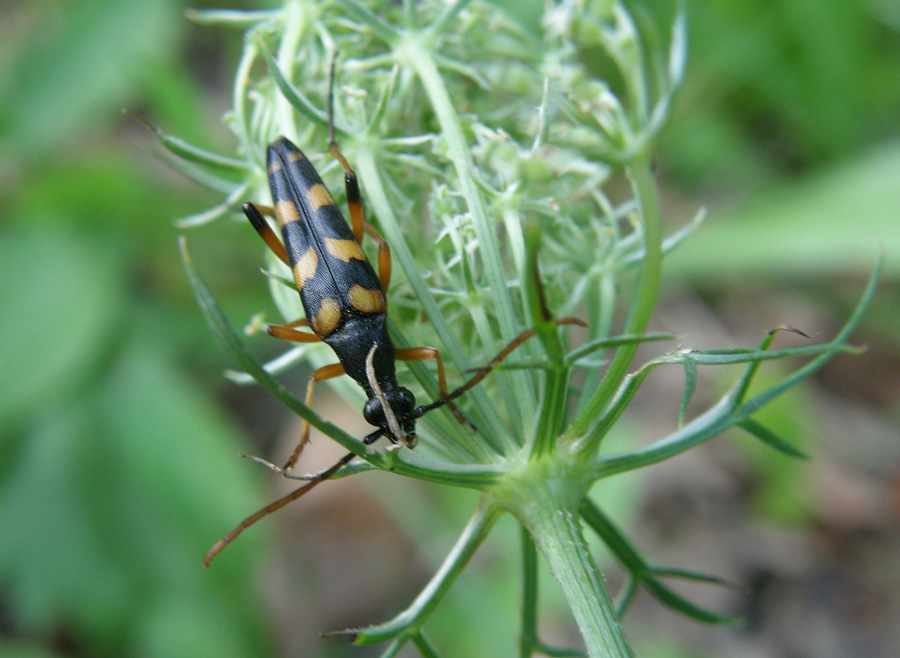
545 499
422 61
557 532
642 303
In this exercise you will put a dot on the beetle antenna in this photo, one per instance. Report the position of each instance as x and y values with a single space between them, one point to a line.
281 502
485 370
273 507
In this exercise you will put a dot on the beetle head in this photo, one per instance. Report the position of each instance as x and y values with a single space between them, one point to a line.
402 403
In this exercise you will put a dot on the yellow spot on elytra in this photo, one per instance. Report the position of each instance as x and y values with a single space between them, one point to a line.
326 320
286 211
305 268
366 300
344 249
274 167
294 156
317 196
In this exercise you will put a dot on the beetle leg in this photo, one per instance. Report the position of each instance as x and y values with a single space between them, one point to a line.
351 185
354 198
255 215
422 353
323 373
384 256
288 332
358 216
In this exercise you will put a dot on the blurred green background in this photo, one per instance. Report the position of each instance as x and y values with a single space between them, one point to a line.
118 434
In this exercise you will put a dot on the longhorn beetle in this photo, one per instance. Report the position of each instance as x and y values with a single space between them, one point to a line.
345 304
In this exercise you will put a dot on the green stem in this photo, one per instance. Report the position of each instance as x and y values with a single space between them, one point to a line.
528 638
371 173
413 617
424 646
519 396
552 409
643 301
556 529
295 22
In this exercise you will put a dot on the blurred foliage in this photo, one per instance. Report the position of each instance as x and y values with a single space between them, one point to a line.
783 87
116 465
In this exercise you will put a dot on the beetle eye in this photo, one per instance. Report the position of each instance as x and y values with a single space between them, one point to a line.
401 401
373 413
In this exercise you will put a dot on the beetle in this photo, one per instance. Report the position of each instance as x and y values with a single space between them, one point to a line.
344 300
345 305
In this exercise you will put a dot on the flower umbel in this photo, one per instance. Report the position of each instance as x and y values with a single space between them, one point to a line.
483 149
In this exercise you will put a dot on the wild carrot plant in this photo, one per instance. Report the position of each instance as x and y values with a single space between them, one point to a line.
484 149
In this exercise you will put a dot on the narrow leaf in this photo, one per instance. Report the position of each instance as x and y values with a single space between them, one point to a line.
678 47
675 601
822 359
191 153
367 17
670 242
218 210
627 597
771 439
447 16
690 384
642 572
382 104
197 173
229 17
473 534
731 357
615 341
688 574
295 97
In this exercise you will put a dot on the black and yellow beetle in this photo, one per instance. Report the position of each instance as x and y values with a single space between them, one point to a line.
345 304
344 300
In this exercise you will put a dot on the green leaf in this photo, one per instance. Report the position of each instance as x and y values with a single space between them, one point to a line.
367 17
688 574
10 648
65 79
230 340
690 384
832 222
59 309
666 596
771 439
229 17
414 616
640 569
295 96
183 149
110 545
